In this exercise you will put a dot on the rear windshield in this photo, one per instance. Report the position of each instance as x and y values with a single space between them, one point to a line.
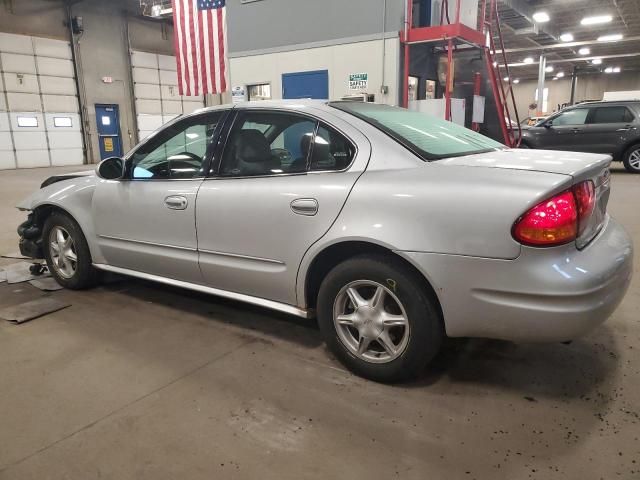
427 136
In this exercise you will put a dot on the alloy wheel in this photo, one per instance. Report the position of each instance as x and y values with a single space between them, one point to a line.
634 159
63 252
371 321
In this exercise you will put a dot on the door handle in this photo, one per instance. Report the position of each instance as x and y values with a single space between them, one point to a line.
305 206
176 202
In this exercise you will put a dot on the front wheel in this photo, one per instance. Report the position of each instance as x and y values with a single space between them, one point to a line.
631 159
67 253
378 318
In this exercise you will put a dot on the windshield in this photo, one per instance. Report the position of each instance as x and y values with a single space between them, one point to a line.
425 135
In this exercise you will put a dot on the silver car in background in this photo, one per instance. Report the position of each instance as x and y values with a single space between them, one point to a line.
392 227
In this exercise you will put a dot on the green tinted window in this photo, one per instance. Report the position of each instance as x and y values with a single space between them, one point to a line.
428 136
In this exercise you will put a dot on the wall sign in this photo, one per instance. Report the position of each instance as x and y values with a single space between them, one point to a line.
238 94
358 81
108 144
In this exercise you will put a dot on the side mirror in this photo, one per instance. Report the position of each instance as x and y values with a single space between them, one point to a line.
548 124
111 168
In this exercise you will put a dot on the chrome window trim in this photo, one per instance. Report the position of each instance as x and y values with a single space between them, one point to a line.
241 297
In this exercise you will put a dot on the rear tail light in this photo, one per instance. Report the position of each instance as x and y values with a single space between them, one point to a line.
558 220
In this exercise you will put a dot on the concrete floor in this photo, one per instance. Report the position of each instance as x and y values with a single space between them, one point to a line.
139 381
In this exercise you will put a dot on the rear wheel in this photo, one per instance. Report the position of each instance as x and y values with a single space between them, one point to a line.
631 159
378 319
67 253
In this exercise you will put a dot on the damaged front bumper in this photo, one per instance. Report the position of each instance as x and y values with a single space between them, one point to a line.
30 238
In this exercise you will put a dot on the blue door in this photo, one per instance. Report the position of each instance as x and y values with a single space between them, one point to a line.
313 84
108 122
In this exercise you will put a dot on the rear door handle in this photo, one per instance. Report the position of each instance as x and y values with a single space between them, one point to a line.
305 206
176 202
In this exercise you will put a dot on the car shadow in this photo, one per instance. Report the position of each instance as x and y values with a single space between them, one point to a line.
269 323
582 369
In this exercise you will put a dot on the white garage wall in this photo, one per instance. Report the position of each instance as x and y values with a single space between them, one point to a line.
155 85
340 60
39 121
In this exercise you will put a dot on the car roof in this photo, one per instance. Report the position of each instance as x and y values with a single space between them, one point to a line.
605 102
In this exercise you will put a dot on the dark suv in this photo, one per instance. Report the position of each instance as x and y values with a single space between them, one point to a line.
598 127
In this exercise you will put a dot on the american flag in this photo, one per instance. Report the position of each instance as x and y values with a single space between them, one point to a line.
200 39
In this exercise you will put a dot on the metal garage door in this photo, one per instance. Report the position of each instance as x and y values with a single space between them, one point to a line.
156 91
39 120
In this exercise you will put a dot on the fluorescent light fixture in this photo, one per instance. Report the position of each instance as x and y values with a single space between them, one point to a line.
506 79
560 74
616 69
555 78
517 80
549 69
584 51
596 19
528 60
596 61
566 37
541 17
614 37
608 70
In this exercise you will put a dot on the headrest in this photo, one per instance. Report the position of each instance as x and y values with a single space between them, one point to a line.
252 146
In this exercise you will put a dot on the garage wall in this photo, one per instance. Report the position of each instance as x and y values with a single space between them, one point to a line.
156 91
339 60
588 87
39 115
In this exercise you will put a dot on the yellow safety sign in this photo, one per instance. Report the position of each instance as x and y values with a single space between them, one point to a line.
108 144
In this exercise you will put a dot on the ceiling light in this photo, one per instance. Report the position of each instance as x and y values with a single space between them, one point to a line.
596 61
608 70
506 79
566 37
616 69
541 17
517 80
584 51
549 69
560 74
596 19
614 37
555 78
528 60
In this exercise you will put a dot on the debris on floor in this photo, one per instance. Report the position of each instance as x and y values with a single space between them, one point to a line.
26 311
46 284
21 272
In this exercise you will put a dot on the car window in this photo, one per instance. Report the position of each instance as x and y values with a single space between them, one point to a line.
429 137
282 146
613 114
331 150
178 151
577 116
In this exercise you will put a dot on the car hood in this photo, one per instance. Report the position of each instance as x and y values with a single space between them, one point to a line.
574 164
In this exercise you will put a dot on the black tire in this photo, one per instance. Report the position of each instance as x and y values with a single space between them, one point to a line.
425 322
627 161
85 275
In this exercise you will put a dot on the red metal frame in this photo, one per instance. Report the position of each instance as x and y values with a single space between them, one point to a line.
451 34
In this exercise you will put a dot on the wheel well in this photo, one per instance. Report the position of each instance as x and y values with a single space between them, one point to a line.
42 212
338 253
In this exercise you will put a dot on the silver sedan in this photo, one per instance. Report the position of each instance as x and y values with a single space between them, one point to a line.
392 227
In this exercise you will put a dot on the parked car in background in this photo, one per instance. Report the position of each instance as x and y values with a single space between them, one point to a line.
393 227
596 127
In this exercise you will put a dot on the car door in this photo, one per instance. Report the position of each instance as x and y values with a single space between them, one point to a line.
281 182
146 222
566 131
609 127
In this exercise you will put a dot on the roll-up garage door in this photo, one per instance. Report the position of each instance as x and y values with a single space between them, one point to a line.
156 91
39 119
